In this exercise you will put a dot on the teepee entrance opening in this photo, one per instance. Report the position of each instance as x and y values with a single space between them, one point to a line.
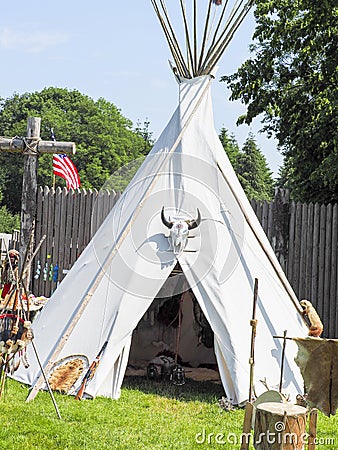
174 330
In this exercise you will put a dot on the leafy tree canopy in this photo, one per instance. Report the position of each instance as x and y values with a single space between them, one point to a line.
292 80
250 166
104 139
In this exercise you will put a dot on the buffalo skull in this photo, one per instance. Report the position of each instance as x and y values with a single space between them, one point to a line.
179 231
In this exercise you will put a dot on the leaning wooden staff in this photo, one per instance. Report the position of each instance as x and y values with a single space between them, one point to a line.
249 405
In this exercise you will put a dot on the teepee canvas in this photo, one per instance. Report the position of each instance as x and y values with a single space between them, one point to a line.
131 257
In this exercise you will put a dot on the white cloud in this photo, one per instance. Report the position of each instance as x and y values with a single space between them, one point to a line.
30 41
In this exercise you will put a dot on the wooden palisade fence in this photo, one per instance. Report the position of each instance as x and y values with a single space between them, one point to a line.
303 236
68 219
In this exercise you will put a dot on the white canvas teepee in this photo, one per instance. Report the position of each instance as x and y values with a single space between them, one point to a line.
129 259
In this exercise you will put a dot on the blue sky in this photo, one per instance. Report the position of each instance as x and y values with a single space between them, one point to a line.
115 50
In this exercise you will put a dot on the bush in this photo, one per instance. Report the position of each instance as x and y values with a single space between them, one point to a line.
8 221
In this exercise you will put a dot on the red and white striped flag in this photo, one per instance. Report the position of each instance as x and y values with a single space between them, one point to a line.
65 168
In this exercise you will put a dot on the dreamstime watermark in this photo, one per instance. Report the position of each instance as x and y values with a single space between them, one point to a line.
279 436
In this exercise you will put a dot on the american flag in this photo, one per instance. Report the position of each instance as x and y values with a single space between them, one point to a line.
64 167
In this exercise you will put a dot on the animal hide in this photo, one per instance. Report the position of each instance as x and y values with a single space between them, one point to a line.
318 362
66 375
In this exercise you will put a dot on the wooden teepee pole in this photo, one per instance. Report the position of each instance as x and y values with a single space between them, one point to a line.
206 26
253 324
220 20
226 36
173 48
187 38
195 37
171 38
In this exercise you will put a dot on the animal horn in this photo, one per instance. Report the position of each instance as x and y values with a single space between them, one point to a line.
166 222
195 222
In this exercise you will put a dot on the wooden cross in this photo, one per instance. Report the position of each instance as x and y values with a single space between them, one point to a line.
31 147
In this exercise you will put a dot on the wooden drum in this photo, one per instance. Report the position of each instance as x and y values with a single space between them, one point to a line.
280 426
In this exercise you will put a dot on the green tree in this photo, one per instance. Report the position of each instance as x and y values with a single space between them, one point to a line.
105 140
292 80
250 166
144 131
8 221
230 146
253 172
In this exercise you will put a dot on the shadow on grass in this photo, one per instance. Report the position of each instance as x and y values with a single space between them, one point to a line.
204 391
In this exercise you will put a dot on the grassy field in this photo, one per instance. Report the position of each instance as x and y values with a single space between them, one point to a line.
148 416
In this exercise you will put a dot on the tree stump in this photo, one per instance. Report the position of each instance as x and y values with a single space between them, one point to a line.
266 397
280 426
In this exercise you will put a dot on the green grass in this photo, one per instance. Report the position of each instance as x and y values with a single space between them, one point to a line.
148 416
